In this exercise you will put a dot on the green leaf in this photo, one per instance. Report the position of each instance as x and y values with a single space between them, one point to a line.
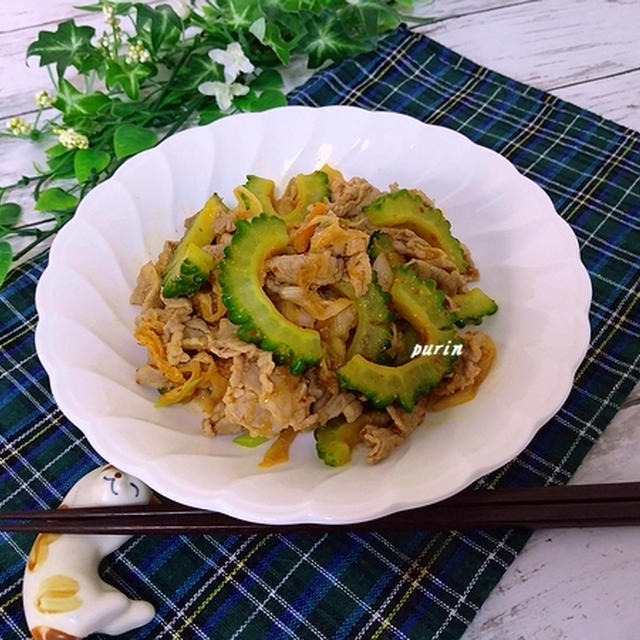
119 7
259 28
172 99
369 16
62 217
273 39
129 140
74 103
157 26
88 160
123 110
245 102
62 163
199 69
329 40
9 213
128 77
300 6
55 199
268 100
6 256
210 115
63 47
56 150
292 26
93 103
239 14
292 5
268 79
387 22
91 61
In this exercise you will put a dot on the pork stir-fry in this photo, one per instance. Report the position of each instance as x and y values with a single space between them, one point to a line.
313 311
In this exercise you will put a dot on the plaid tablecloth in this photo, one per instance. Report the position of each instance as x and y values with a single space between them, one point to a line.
414 585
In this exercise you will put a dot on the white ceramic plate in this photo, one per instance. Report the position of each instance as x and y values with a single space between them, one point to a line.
528 259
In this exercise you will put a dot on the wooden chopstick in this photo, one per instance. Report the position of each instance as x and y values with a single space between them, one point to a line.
593 505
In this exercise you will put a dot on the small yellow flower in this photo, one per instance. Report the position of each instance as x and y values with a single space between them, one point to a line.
136 52
110 16
44 99
18 126
71 139
104 42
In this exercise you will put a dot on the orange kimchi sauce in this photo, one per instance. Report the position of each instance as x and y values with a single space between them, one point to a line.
438 403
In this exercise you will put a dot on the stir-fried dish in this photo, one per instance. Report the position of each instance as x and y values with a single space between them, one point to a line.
334 307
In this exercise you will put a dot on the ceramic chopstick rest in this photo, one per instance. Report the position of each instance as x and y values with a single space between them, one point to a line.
63 596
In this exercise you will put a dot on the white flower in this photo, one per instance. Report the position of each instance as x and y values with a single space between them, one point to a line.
233 61
71 139
223 92
44 99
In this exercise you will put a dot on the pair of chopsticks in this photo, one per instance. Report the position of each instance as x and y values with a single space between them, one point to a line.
593 505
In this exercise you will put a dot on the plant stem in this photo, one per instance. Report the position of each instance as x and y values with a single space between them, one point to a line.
40 183
37 120
23 182
35 243
167 85
53 80
33 224
116 41
197 102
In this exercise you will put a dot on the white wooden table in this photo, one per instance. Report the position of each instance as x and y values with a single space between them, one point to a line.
567 583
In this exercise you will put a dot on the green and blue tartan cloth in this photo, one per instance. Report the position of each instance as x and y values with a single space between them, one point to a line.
361 586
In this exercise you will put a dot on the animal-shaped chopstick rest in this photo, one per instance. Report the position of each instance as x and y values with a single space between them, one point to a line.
63 596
